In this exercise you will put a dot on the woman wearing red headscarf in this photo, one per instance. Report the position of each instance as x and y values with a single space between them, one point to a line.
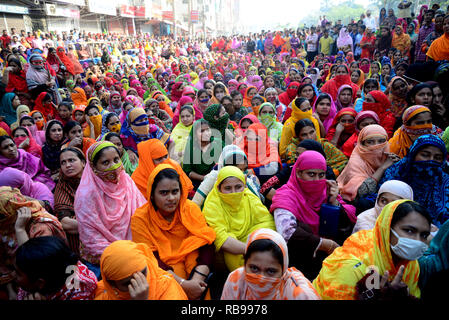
342 77
342 128
378 102
60 51
45 105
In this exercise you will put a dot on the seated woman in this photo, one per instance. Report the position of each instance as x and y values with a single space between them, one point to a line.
300 209
230 156
21 219
72 163
234 212
39 119
304 129
152 153
218 120
74 137
368 86
41 267
344 97
393 246
268 189
378 102
130 271
105 200
136 128
367 164
416 121
389 191
93 112
301 109
342 127
181 132
86 125
175 230
341 77
35 190
267 116
22 110
152 105
29 123
201 153
244 123
423 168
54 139
261 151
326 110
25 141
363 119
12 157
128 163
266 274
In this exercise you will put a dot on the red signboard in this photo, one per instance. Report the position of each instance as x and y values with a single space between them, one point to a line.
194 16
167 15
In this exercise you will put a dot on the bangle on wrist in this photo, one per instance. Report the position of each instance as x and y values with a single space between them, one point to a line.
182 281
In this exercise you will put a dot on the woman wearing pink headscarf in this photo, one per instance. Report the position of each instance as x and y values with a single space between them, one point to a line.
105 200
344 41
297 207
325 108
138 86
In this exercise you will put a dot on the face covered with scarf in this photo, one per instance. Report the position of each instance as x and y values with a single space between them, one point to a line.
139 122
105 161
267 114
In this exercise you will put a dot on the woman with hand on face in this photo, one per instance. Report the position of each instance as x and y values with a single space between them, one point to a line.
176 230
297 207
105 200
367 164
386 255
129 271
74 137
266 274
342 127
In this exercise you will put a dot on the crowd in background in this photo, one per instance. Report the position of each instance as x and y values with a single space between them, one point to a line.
294 164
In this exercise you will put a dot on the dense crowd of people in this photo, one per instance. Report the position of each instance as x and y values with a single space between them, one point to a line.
295 164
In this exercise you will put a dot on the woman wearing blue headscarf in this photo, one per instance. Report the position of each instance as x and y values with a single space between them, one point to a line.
423 169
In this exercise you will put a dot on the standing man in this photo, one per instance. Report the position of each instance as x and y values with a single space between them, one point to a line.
325 43
312 45
427 28
370 21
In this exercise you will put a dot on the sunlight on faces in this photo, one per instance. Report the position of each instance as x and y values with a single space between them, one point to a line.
271 96
263 263
231 185
71 165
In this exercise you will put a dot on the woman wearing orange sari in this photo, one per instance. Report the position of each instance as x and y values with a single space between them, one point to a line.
439 49
123 261
152 153
401 40
175 230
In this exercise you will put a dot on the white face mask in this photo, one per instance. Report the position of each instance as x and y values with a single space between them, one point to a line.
408 249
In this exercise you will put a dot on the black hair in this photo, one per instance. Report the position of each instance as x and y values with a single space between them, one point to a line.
100 153
168 173
109 135
69 126
201 91
108 117
263 245
26 117
242 84
76 151
89 107
405 208
323 96
187 107
224 98
20 128
3 138
236 93
312 145
49 126
209 81
219 85
299 101
371 80
46 258
67 104
413 91
301 124
47 97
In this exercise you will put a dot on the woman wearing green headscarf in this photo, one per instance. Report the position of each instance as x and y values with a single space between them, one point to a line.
267 116
218 119
201 153
129 166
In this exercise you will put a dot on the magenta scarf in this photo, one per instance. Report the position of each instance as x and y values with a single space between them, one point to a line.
31 165
327 123
19 179
304 198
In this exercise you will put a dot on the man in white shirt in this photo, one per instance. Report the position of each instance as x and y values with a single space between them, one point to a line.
312 45
370 21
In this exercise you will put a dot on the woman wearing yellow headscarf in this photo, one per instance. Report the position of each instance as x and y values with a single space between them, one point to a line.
174 228
301 109
124 260
347 273
20 111
233 211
